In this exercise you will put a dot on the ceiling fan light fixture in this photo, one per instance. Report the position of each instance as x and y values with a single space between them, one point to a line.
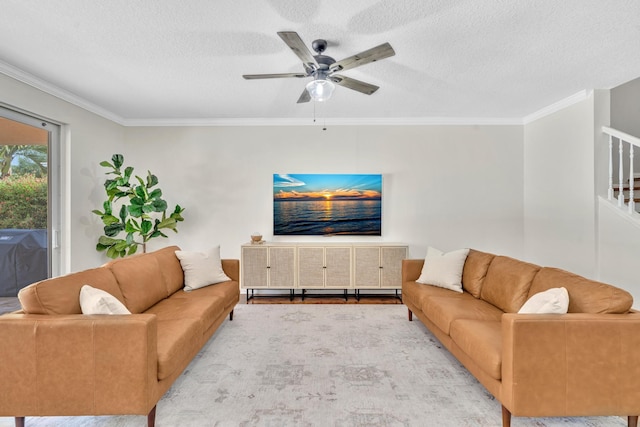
320 90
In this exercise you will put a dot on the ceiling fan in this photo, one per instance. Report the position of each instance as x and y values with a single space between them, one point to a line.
323 68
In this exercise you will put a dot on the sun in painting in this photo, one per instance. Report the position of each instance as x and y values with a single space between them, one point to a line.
327 196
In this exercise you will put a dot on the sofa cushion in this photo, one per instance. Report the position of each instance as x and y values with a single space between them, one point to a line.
442 311
178 341
507 283
443 269
585 296
551 301
201 268
140 280
97 301
417 293
171 268
481 340
475 270
60 295
228 291
205 310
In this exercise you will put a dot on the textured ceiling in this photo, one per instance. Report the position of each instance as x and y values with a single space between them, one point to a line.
183 60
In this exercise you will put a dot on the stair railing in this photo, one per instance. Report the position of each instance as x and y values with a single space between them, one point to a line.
632 141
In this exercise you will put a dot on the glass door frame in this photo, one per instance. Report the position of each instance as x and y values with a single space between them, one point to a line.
54 180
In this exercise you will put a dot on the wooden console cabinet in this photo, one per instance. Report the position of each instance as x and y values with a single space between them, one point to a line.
313 266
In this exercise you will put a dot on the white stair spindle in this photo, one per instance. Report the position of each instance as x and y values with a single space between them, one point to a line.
620 175
610 192
632 203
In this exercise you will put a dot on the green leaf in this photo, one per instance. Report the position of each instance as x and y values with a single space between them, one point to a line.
111 184
97 212
137 201
140 192
112 230
167 223
129 238
140 180
127 173
106 241
112 253
148 208
151 179
121 245
118 160
123 213
100 247
133 249
107 207
106 164
109 219
146 226
155 194
135 211
159 205
131 227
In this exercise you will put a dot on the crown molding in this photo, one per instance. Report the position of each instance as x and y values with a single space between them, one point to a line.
51 89
368 121
54 90
557 106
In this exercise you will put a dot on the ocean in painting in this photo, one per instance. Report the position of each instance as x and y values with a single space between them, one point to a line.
327 204
328 217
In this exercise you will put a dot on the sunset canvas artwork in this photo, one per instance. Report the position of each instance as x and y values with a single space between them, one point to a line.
327 204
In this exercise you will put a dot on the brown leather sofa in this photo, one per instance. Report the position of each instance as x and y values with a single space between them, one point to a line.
583 363
56 361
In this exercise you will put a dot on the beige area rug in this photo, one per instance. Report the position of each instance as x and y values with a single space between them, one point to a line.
324 365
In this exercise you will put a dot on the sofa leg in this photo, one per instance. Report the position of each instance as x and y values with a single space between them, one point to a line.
231 315
410 314
632 421
151 417
20 421
506 417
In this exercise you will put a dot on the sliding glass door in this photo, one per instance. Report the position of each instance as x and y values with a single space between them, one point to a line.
29 200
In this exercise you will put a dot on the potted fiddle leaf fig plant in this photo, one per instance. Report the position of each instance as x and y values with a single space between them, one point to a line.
136 209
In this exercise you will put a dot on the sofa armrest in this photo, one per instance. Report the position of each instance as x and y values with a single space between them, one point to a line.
231 268
77 364
411 269
573 364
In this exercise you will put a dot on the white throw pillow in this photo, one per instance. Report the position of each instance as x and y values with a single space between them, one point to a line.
201 268
551 301
443 269
97 301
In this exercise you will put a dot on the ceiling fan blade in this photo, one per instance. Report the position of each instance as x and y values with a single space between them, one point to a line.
272 76
374 54
304 96
354 84
293 40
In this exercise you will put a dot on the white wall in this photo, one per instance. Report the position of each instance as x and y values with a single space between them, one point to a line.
559 199
625 107
87 139
619 248
445 186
